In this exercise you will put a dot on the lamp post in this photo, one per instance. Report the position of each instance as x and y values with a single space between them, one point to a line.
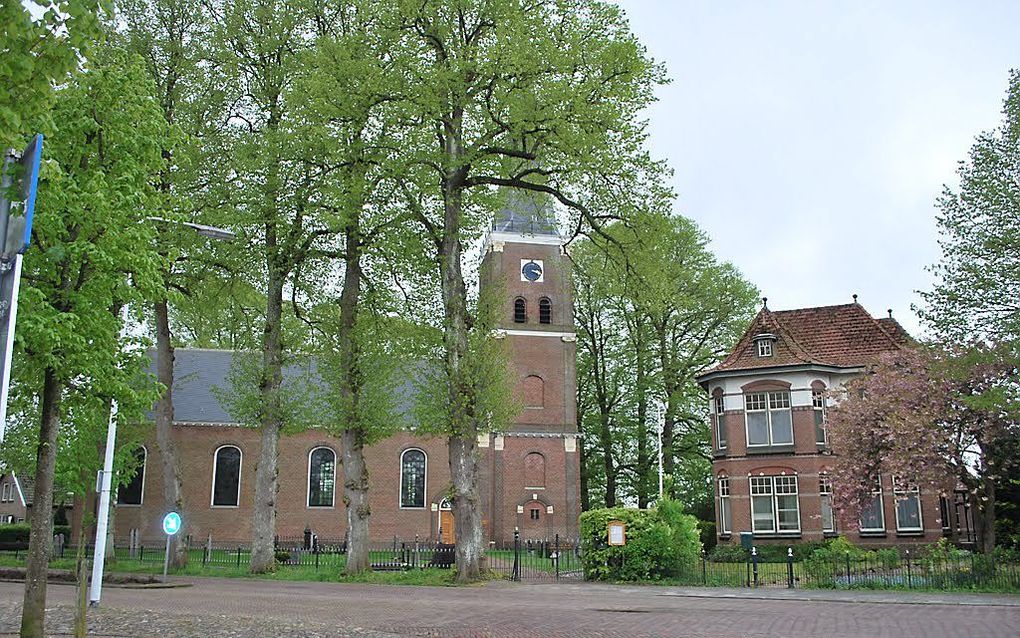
106 474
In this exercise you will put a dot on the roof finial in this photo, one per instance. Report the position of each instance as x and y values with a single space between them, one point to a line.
764 302
855 297
890 312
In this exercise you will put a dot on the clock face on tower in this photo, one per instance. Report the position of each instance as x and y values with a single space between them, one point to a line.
531 270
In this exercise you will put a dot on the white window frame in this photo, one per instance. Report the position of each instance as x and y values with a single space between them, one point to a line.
719 407
145 468
825 492
725 527
8 493
881 509
906 493
774 485
764 347
425 482
768 409
240 474
818 406
308 482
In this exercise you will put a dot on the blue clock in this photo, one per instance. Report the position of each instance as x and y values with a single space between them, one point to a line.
531 270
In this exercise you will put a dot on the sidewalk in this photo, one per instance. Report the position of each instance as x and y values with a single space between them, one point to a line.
896 597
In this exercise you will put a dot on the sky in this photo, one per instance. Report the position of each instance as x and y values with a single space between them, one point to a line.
810 140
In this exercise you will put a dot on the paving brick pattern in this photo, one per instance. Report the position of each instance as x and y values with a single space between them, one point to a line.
222 608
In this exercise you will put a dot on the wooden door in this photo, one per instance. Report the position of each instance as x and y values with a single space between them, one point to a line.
446 532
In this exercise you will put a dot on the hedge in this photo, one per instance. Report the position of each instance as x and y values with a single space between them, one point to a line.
18 534
660 541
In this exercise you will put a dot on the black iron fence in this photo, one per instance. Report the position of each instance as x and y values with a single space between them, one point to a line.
531 559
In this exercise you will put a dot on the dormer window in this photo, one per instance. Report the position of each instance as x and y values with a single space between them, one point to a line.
764 342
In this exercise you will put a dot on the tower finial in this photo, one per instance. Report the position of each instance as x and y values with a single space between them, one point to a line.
890 312
855 297
764 302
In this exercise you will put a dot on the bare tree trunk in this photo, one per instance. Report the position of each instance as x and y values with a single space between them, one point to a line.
984 521
353 437
643 457
40 540
356 502
263 554
173 494
463 440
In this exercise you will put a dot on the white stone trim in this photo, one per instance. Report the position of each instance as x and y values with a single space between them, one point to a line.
308 480
566 336
519 238
240 475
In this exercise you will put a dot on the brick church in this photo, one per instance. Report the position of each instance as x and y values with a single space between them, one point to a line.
529 474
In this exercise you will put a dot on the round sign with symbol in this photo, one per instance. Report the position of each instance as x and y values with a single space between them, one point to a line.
172 523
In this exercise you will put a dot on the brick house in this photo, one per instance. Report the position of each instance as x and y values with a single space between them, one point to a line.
529 474
771 454
15 498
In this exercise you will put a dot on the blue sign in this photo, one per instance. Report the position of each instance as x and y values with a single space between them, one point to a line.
172 523
29 183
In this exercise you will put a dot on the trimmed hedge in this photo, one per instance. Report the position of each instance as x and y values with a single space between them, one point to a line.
18 533
660 540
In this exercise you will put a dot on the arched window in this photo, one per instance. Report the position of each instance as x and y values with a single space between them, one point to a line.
321 477
132 492
544 310
226 491
534 470
520 310
534 392
413 465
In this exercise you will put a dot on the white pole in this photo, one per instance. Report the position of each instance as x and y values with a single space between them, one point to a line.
106 476
99 555
5 382
661 424
166 558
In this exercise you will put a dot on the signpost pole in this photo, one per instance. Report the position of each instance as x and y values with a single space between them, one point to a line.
166 557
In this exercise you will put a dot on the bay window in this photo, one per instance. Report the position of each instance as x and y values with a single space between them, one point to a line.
769 420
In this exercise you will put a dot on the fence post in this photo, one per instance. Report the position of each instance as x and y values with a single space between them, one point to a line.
516 574
789 567
414 561
704 567
909 577
315 550
238 556
754 564
556 555
848 580
141 553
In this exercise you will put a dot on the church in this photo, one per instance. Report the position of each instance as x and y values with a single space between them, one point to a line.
529 474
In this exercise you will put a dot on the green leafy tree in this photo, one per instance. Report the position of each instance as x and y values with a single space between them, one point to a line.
541 97
40 47
88 239
977 281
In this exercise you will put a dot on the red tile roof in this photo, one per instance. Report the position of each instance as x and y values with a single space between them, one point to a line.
844 336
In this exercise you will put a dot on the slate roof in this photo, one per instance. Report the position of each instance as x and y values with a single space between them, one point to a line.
527 213
843 336
202 377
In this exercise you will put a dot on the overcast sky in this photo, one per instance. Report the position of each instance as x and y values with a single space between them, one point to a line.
811 139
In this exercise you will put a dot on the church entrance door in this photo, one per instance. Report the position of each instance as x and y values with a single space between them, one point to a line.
446 531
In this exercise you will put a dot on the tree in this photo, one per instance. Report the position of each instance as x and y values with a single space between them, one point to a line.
930 419
654 308
87 241
38 53
977 287
169 35
541 97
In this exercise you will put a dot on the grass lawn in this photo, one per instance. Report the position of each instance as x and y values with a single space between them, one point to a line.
325 573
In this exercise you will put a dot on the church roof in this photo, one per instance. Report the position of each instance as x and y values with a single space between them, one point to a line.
843 336
526 213
202 383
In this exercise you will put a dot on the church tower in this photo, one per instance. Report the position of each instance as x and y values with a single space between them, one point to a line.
535 465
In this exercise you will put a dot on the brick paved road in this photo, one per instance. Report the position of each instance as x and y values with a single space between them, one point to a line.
236 608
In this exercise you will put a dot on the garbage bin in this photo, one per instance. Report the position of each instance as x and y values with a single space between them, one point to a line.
747 540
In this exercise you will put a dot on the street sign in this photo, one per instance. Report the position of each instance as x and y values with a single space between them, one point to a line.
30 161
172 523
